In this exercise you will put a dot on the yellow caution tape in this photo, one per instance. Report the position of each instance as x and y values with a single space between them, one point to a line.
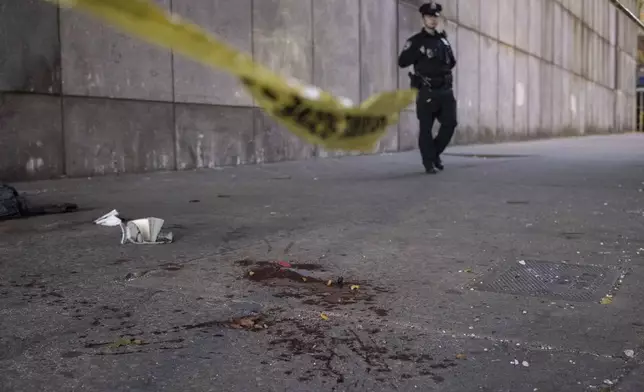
308 112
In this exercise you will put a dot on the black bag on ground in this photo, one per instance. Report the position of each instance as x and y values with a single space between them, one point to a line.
12 205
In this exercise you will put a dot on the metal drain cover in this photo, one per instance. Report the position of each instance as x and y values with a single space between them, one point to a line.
551 280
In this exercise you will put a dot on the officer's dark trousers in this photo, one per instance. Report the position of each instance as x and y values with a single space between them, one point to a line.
434 105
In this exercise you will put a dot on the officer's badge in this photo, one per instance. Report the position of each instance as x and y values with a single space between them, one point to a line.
430 53
407 45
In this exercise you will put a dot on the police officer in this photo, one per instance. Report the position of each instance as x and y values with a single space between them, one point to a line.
431 55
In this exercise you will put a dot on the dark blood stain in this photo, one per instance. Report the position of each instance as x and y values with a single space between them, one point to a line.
289 294
171 267
438 379
245 263
195 201
119 261
230 296
71 354
380 312
454 292
272 271
96 345
406 376
67 374
402 357
446 364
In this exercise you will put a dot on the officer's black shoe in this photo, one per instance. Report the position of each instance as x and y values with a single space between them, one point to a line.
431 170
439 165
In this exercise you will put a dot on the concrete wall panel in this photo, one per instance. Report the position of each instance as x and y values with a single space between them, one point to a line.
489 20
521 101
378 54
547 30
566 103
209 136
586 14
567 41
586 50
577 50
30 50
578 104
408 131
282 37
468 85
557 98
408 25
534 96
102 62
535 34
105 136
273 143
507 22
194 82
558 30
612 25
451 29
576 8
336 53
488 89
31 138
336 67
469 13
378 47
506 98
522 24
546 79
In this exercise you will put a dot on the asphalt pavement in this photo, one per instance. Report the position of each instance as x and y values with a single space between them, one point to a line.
518 268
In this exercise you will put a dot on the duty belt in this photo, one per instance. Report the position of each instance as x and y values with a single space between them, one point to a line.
432 83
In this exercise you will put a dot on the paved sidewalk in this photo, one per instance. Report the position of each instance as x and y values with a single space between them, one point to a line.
79 311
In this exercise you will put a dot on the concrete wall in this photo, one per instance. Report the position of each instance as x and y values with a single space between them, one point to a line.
80 99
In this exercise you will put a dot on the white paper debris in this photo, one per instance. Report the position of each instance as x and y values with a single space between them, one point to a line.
515 362
608 382
525 364
311 92
629 353
522 262
139 231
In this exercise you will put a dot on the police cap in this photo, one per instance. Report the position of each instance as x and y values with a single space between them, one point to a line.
431 9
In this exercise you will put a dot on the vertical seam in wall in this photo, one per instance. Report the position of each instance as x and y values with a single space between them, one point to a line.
175 147
397 42
617 72
316 149
478 81
254 114
527 89
514 71
360 95
63 133
497 40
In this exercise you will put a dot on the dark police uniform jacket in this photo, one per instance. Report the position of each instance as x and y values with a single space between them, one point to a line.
432 58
